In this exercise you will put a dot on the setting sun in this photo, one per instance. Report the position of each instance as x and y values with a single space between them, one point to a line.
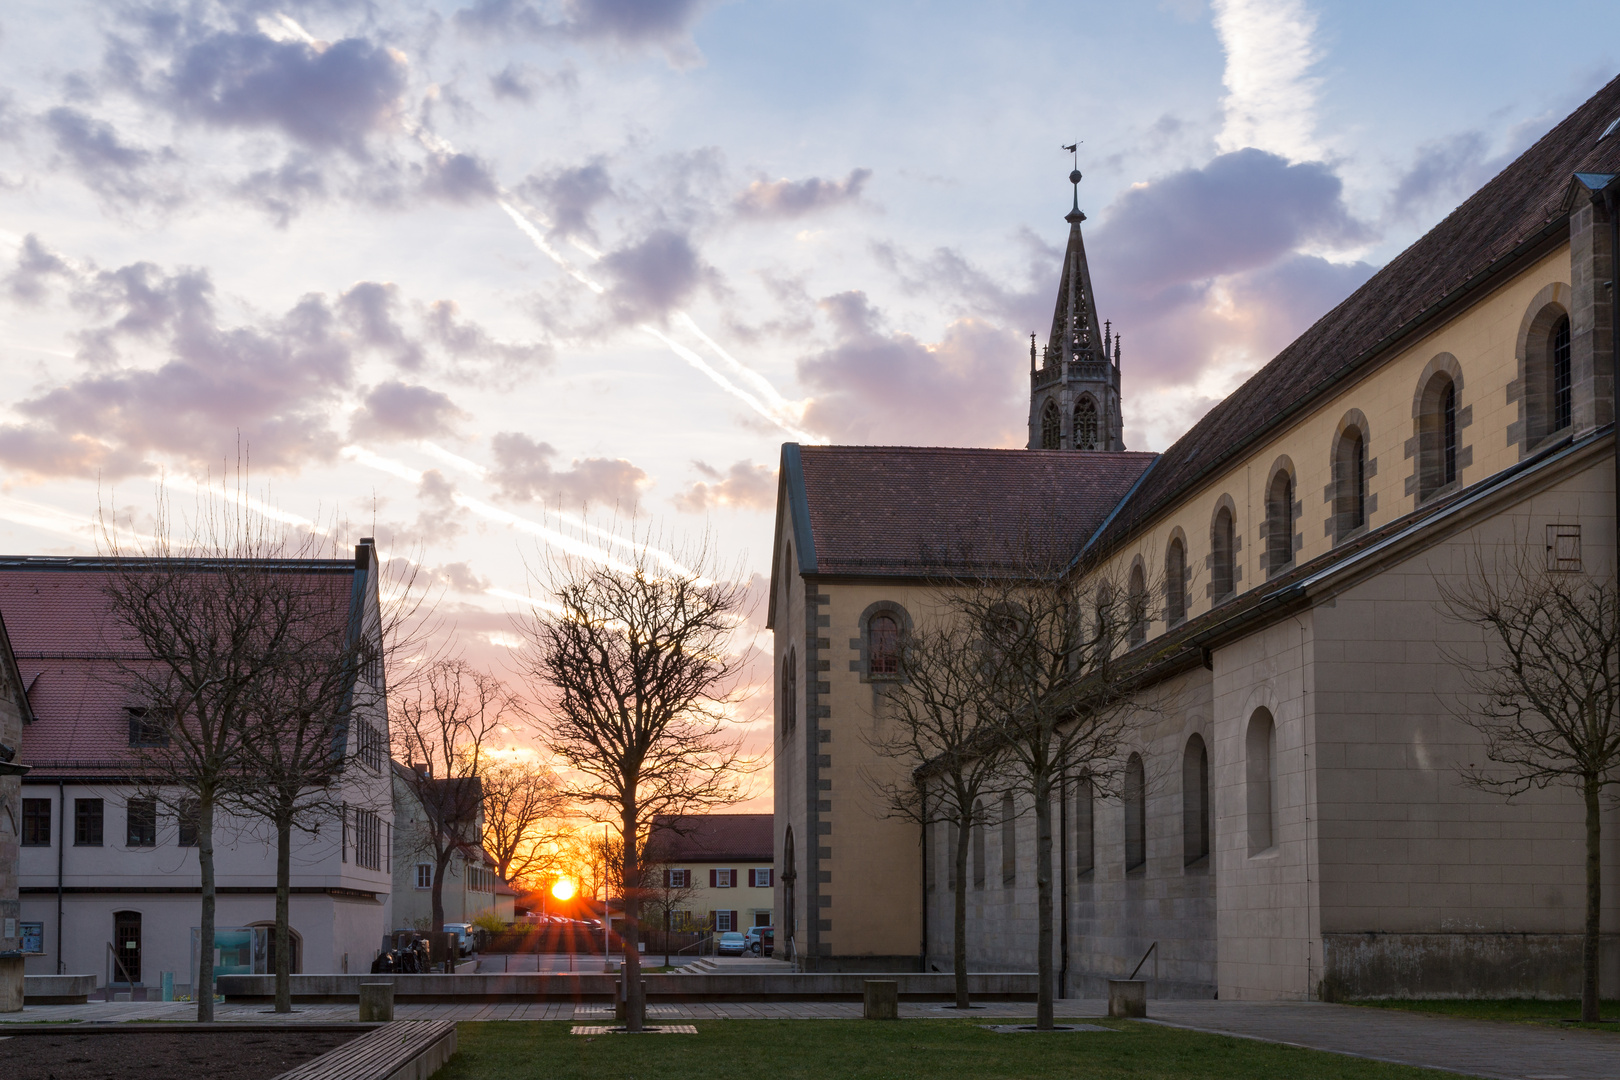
563 889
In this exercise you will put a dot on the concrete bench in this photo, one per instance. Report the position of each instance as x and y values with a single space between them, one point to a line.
58 989
403 1050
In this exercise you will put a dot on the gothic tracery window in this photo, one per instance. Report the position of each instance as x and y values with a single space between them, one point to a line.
1051 427
1085 425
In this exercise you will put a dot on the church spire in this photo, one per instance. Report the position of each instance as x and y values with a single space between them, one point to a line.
1074 391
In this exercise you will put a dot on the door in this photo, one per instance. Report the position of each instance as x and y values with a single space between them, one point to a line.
127 943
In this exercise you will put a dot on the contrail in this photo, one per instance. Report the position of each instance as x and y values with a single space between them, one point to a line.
551 536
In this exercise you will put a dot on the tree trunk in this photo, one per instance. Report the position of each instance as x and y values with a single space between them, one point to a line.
1590 1006
203 991
666 935
1043 906
635 1005
439 867
283 915
964 833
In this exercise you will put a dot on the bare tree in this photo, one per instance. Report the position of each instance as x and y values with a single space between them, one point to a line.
1545 699
1060 699
524 810
443 727
635 664
206 614
936 728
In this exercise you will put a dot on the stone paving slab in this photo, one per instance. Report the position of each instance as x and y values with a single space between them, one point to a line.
1501 1051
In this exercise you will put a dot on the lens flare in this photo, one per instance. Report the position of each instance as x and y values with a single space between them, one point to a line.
563 889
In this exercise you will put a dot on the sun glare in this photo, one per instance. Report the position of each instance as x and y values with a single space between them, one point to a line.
563 889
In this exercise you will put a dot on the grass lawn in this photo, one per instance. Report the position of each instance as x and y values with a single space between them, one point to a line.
902 1049
1520 1009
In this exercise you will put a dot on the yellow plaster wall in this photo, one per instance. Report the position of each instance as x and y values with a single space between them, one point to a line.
1483 338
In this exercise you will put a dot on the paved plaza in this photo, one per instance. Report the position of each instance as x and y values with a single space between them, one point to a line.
1502 1051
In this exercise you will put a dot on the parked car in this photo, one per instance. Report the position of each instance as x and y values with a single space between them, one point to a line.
759 939
464 936
730 944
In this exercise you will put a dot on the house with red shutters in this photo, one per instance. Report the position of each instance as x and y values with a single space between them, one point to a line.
715 870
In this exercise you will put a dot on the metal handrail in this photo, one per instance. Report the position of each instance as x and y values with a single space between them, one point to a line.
1142 961
113 953
699 943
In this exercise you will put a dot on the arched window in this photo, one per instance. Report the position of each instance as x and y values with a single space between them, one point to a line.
1437 436
1085 841
1195 801
1051 427
1222 546
882 646
1009 841
790 692
1561 381
1349 483
1175 582
1085 424
1137 611
978 844
1260 752
1280 523
1134 791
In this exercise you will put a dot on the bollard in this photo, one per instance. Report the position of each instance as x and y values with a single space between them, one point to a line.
882 1000
11 981
1127 998
376 1003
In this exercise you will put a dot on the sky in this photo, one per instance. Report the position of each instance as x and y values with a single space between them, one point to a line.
480 276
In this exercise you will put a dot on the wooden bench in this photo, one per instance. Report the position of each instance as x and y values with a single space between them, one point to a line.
402 1050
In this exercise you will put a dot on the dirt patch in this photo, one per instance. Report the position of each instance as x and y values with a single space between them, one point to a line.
162 1055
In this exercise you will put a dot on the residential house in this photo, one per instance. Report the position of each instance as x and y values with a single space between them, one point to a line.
472 880
717 869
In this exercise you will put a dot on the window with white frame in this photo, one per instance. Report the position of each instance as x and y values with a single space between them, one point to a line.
722 879
722 921
677 879
760 879
424 875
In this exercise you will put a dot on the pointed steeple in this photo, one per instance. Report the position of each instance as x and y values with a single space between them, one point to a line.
1074 392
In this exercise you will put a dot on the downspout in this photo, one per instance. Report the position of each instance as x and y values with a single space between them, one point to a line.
1063 881
61 849
922 960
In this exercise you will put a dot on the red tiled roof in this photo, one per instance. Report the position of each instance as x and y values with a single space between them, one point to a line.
69 652
904 510
713 838
1517 206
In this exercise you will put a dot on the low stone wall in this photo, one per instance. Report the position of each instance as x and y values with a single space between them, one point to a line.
1461 966
58 989
562 986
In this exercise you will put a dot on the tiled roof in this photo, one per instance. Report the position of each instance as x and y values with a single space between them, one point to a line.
907 511
70 653
713 838
1518 206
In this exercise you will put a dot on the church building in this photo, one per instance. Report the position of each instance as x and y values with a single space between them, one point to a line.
1299 828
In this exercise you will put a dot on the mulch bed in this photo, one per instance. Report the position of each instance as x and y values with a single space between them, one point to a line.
162 1055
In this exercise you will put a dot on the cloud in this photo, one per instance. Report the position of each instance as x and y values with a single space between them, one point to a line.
322 96
461 577
396 410
109 166
1271 97
569 195
1241 211
464 340
440 520
514 82
628 22
268 384
459 178
652 277
744 486
794 198
879 386
35 265
283 191
524 472
371 310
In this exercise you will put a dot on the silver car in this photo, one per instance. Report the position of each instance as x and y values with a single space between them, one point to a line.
731 944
